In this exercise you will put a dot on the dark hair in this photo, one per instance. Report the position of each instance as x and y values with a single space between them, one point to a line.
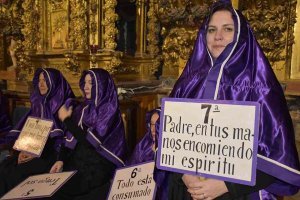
219 7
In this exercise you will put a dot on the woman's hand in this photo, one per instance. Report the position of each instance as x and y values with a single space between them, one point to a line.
57 167
64 112
207 189
190 180
24 157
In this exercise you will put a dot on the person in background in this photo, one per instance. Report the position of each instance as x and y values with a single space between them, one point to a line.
146 149
227 63
96 137
50 91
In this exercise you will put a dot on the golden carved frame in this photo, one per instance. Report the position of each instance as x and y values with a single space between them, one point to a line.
61 34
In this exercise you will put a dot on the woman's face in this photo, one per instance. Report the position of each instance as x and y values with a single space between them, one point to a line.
43 87
154 118
220 32
88 86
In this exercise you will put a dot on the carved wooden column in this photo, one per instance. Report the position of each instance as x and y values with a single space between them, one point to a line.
78 25
153 48
141 16
31 30
110 30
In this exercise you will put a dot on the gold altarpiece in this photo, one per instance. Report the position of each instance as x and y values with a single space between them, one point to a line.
74 35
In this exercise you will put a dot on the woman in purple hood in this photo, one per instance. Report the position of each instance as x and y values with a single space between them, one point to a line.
50 91
96 136
227 63
146 149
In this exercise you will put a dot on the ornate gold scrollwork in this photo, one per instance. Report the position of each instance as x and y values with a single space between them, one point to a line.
272 24
58 25
180 21
153 37
109 25
14 28
56 4
93 22
177 48
71 63
78 24
10 26
31 18
187 13
115 62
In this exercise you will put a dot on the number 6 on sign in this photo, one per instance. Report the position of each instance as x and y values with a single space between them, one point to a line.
134 182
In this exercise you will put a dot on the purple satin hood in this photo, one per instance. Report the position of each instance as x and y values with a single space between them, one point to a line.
102 118
243 73
5 124
46 106
143 150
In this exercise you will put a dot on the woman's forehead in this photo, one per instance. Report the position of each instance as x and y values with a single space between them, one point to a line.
88 77
221 17
41 75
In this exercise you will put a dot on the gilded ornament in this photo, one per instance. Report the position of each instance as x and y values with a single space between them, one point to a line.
272 25
109 25
31 18
78 24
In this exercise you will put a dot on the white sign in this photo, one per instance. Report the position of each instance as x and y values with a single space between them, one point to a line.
43 185
216 139
133 182
33 136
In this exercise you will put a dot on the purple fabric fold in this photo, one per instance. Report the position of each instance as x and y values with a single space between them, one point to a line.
46 106
100 116
246 75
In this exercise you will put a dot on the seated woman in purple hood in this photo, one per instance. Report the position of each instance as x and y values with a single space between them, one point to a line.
146 149
50 91
96 136
227 63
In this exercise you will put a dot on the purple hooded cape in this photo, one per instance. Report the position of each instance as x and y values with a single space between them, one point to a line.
143 150
5 124
243 73
46 106
101 117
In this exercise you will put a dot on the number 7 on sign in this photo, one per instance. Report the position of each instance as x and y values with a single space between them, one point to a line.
207 107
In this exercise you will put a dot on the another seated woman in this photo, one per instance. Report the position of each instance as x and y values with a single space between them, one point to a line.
50 91
146 149
96 135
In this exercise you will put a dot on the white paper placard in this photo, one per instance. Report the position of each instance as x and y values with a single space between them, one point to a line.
216 139
43 185
134 182
33 136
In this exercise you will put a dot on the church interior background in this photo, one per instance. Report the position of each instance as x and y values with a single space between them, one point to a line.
144 44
